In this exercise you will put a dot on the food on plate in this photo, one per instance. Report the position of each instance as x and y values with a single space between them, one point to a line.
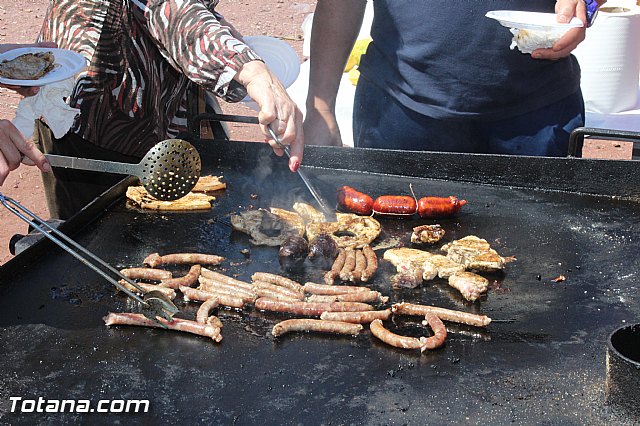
395 205
224 299
177 324
527 40
335 327
269 228
352 201
364 317
30 66
330 276
404 342
313 309
349 231
205 309
146 274
371 261
209 184
325 289
154 259
427 234
323 251
470 285
187 280
409 265
192 201
442 313
308 213
439 207
293 252
475 253
278 280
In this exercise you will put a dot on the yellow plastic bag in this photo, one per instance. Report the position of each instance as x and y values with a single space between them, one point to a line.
359 48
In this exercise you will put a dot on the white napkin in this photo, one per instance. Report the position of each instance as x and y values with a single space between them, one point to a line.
49 105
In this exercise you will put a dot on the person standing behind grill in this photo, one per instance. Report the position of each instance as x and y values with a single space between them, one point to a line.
440 76
13 145
143 56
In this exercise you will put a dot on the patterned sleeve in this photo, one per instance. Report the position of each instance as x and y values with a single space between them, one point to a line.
192 39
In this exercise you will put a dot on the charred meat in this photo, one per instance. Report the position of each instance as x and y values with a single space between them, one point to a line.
293 252
30 66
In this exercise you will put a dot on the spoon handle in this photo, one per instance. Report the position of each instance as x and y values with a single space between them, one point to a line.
93 165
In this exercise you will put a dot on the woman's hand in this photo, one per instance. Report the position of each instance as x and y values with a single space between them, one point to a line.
13 147
24 90
565 11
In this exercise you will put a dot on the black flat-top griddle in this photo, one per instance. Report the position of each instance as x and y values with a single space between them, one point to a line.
541 362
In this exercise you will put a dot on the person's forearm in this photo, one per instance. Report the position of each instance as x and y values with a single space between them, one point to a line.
336 24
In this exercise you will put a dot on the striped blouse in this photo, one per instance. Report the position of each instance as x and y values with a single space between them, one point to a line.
142 57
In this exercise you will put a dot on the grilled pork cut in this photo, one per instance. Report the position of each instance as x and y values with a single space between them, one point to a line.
470 285
410 266
475 253
30 66
268 228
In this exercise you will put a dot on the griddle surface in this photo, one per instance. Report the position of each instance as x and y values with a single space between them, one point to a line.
545 366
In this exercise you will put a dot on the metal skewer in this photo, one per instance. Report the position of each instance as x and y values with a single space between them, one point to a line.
154 303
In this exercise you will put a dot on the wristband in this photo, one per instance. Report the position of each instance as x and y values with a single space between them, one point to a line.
592 11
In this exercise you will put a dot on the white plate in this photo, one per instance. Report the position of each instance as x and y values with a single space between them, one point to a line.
68 63
531 20
279 56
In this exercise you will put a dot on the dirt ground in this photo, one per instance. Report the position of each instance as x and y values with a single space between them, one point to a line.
20 22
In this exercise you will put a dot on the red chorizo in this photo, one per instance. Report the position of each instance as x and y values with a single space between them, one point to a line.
395 205
352 201
322 326
439 207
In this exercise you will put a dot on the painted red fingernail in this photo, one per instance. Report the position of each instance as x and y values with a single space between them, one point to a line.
296 166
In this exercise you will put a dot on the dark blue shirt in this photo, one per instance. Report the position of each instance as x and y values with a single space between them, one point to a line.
445 59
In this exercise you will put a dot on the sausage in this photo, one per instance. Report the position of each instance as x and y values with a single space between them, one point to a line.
439 332
331 276
203 312
188 280
349 264
260 287
218 277
361 264
337 327
146 274
439 207
313 309
169 292
352 201
442 313
372 263
313 288
277 280
178 324
223 299
395 205
364 317
208 284
404 342
363 296
154 259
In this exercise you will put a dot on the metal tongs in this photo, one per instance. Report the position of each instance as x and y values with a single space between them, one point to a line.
154 303
330 214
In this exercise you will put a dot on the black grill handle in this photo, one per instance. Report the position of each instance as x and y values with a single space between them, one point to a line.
576 139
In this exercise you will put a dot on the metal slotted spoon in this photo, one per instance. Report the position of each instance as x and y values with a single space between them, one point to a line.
168 171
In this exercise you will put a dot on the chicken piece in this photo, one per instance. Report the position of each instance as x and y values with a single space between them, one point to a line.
410 266
308 213
268 228
470 285
427 234
475 253
444 266
30 66
349 231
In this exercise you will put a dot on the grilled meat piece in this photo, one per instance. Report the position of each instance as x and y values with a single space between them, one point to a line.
444 266
427 234
293 252
475 253
308 213
470 285
268 228
349 231
410 266
30 66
